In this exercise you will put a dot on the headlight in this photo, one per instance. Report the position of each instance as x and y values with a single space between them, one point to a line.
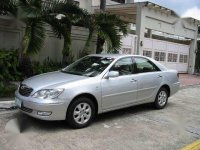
47 93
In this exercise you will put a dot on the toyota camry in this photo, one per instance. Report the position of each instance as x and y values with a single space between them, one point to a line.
96 84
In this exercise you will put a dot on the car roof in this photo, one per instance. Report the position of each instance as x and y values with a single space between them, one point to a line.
113 55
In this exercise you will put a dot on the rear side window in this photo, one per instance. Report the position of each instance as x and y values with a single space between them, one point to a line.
144 65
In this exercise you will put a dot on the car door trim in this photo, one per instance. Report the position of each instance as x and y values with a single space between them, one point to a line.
119 93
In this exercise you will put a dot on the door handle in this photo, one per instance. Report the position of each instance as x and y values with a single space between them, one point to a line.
159 76
133 80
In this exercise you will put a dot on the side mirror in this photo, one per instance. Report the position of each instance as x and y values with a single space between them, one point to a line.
112 74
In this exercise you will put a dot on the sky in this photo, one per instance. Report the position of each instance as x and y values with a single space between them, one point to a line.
184 8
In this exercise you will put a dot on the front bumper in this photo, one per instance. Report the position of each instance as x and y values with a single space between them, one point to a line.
42 109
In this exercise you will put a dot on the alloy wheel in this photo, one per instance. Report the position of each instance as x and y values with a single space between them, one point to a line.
82 113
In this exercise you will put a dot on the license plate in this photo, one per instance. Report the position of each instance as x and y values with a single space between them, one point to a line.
18 102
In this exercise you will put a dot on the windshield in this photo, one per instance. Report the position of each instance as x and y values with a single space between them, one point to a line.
90 66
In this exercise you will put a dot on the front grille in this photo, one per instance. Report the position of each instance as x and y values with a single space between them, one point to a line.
25 90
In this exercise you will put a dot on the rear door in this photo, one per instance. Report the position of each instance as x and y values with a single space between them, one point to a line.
148 76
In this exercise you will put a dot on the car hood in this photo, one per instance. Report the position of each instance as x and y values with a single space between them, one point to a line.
52 78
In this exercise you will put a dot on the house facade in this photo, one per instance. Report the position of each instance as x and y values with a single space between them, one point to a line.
155 31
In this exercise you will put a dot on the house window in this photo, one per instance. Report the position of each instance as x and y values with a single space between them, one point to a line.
159 56
183 58
162 56
172 57
147 53
119 1
126 50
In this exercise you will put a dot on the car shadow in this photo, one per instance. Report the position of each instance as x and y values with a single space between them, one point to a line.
117 114
133 110
27 124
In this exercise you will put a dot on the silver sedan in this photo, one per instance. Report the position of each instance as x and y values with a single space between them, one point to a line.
96 84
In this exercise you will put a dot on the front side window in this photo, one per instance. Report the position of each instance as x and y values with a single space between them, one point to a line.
124 66
145 65
90 66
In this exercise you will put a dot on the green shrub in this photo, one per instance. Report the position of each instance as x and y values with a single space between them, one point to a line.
12 70
47 66
9 66
7 90
25 67
8 72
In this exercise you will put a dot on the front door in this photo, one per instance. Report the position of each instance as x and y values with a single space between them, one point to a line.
122 90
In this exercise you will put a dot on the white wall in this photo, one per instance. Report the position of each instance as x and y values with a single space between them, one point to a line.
168 47
155 19
129 47
108 2
11 33
128 44
53 46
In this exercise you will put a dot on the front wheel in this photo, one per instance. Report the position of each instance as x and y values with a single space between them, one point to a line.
80 113
161 98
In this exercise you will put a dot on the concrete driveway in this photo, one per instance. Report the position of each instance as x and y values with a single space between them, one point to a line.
135 128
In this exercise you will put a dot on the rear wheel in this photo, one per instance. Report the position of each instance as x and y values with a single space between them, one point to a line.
80 113
161 98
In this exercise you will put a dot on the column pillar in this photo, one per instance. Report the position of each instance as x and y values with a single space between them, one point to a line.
140 29
149 33
192 53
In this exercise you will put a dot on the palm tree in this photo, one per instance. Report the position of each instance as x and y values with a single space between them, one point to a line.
70 1
72 14
100 41
32 14
35 14
103 5
8 7
108 27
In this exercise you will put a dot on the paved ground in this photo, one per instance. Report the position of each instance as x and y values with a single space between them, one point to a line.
138 128
188 79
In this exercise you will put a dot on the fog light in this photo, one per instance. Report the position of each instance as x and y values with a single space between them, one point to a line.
44 113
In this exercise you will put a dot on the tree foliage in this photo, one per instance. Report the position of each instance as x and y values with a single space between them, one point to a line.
8 7
61 15
108 27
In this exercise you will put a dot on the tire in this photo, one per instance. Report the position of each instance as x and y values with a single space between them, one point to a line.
161 98
80 113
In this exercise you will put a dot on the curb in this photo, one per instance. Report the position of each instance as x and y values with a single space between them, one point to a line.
7 102
193 146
